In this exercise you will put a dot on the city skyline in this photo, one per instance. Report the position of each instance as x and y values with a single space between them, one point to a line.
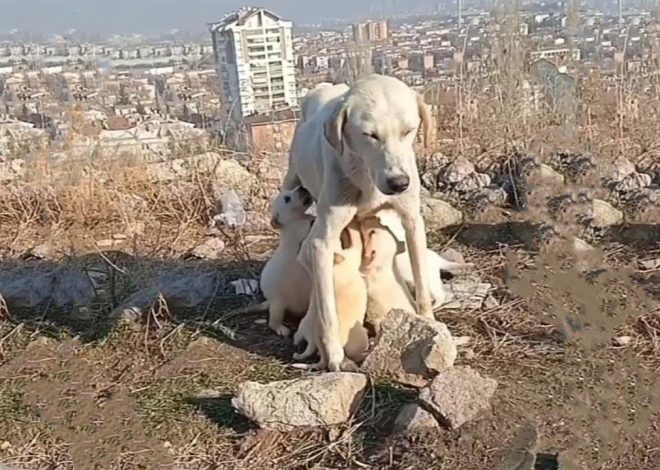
159 16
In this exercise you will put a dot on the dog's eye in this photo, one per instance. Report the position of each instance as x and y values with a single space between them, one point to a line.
287 199
371 135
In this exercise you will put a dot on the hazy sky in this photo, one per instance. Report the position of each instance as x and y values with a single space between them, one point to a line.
151 16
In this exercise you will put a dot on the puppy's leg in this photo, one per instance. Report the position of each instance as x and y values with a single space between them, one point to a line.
416 241
276 317
316 255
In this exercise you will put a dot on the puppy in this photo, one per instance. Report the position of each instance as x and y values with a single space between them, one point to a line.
386 291
433 263
285 283
351 299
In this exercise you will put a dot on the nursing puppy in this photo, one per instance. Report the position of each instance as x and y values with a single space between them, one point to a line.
433 263
285 283
386 291
351 299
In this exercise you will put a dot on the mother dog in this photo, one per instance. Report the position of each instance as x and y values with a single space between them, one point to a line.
354 153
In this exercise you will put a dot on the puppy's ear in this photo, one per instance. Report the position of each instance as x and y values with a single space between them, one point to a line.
427 119
334 127
338 259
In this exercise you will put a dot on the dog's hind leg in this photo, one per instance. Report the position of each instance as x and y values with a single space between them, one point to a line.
309 350
276 313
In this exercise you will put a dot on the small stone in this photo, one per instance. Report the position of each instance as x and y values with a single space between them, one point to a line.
413 418
209 250
651 264
453 255
622 340
491 302
320 400
458 170
458 395
622 168
411 349
549 175
604 214
465 295
522 452
233 214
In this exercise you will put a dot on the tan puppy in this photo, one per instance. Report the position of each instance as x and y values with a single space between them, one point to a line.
285 283
386 291
351 299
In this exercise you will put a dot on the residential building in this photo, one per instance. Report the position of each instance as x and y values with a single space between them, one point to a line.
371 31
254 56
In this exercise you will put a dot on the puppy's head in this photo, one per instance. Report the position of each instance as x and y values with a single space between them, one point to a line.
380 245
377 123
289 205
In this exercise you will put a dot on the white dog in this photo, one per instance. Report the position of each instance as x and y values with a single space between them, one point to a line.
284 282
433 262
351 299
386 291
355 156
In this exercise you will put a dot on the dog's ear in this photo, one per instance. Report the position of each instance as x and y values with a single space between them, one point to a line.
275 223
334 127
427 119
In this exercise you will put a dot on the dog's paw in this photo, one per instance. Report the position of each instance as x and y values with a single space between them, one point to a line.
282 331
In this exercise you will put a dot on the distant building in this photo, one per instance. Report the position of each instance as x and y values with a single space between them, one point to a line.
253 51
272 133
371 31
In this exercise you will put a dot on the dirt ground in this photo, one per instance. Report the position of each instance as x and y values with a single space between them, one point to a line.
88 392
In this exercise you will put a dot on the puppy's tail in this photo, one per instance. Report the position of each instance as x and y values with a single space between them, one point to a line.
258 308
452 266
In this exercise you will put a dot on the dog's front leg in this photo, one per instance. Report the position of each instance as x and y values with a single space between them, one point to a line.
416 241
316 255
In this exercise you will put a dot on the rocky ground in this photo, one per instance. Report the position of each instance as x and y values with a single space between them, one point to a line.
122 344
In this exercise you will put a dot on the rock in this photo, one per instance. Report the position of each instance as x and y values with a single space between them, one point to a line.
465 295
320 400
580 247
453 255
473 182
603 214
622 168
209 250
632 182
458 170
29 289
180 291
12 170
650 264
411 349
458 395
522 452
439 214
413 418
233 214
547 174
44 251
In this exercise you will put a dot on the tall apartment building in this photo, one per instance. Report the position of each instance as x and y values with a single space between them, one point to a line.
253 50
371 31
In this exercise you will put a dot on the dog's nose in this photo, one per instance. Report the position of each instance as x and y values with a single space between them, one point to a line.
398 184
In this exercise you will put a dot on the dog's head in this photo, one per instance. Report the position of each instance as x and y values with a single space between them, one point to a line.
377 122
289 205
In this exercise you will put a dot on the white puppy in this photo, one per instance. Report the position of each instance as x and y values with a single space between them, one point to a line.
355 155
433 262
351 298
386 291
284 282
